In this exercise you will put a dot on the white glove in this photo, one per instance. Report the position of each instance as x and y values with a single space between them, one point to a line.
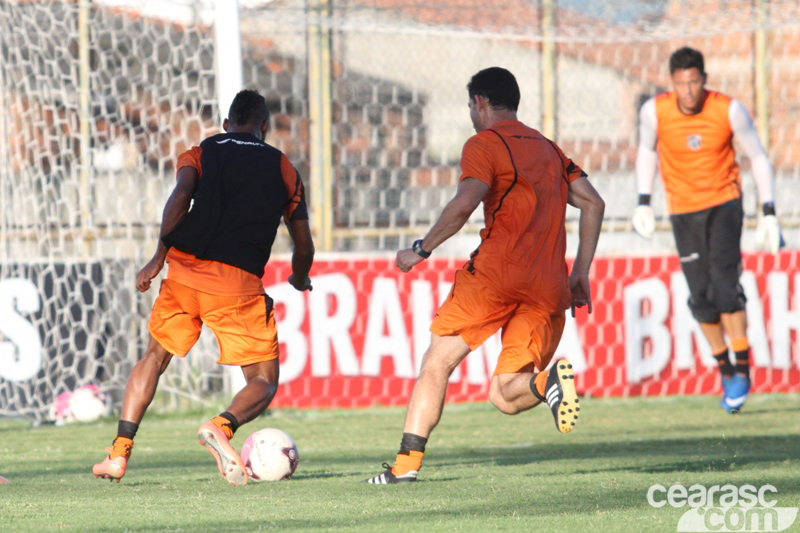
644 223
768 234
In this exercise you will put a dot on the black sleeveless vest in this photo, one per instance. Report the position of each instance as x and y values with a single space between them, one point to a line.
237 205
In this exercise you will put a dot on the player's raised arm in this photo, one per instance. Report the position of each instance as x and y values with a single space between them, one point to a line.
646 164
455 214
584 196
176 208
768 233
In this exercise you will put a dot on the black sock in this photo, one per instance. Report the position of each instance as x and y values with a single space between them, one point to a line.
127 429
743 362
234 424
532 385
411 443
724 363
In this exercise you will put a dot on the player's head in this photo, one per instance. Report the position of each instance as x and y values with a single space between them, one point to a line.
686 58
498 86
688 73
491 89
248 113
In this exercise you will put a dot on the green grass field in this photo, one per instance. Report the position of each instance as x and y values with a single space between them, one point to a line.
484 471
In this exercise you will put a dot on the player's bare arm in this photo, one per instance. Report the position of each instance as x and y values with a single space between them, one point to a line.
176 208
584 196
455 214
303 254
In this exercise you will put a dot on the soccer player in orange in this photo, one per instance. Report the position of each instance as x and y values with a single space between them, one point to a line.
689 134
217 232
517 279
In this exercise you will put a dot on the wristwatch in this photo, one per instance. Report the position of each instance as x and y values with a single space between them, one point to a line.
417 247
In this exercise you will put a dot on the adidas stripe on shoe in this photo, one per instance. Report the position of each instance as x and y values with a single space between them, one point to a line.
561 396
388 478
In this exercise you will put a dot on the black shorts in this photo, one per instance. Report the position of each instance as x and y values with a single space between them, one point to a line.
709 247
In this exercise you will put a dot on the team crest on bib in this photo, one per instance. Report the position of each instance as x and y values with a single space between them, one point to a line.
694 142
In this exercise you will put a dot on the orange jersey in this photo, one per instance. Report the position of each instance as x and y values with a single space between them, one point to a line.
696 155
521 255
213 277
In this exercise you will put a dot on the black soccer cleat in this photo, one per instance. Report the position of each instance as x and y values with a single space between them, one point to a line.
388 478
560 395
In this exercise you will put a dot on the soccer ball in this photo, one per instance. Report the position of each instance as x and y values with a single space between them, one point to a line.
269 455
89 403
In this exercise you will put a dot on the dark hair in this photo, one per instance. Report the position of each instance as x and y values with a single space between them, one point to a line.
498 86
248 107
686 58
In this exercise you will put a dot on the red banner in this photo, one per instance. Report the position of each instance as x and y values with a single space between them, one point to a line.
358 338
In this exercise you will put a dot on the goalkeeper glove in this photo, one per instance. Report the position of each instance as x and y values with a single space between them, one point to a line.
768 232
644 223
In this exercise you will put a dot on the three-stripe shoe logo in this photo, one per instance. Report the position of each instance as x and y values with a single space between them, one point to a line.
552 395
383 479
379 480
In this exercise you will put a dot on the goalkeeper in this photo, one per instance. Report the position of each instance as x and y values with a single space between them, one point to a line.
689 133
216 235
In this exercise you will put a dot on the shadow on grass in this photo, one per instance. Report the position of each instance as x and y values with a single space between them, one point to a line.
679 454
762 410
661 455
707 454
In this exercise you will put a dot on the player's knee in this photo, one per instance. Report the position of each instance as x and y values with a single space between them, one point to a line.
704 312
438 366
498 400
157 357
731 301
267 386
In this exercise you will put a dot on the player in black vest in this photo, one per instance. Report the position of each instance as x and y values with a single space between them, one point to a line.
217 232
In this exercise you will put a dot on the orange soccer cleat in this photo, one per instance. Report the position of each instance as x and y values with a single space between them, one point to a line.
228 461
113 466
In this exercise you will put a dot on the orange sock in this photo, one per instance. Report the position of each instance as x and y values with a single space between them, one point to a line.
540 381
740 345
741 349
121 447
403 463
224 424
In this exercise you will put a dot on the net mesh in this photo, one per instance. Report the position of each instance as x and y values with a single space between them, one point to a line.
86 164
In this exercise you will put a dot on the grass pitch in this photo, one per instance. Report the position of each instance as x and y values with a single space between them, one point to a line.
483 471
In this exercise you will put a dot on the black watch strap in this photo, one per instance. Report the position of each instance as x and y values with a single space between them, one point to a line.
417 247
768 208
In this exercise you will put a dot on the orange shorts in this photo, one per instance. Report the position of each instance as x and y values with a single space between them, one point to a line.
244 325
473 311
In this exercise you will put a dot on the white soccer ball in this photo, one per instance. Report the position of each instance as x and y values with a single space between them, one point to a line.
269 455
89 403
